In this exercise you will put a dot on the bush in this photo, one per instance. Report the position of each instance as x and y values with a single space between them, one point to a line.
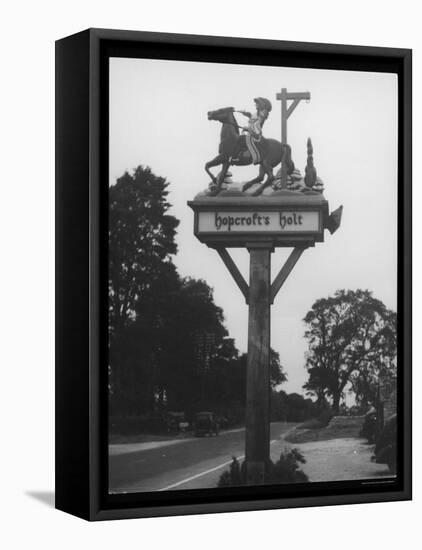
313 424
369 426
317 423
325 417
235 476
386 446
285 470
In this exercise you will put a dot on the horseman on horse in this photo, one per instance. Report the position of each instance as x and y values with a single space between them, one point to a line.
249 148
251 140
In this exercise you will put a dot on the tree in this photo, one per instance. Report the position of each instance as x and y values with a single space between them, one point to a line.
141 245
141 241
224 382
378 371
163 357
291 407
138 351
321 379
191 333
277 373
349 333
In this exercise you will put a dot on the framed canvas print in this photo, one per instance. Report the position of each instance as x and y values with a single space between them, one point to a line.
233 274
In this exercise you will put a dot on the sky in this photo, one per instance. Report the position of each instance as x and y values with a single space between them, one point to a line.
158 118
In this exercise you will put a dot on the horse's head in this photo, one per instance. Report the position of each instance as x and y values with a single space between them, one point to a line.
221 115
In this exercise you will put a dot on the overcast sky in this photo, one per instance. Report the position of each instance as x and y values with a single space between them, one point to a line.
158 118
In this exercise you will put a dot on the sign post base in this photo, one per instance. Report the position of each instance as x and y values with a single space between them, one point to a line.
257 450
255 473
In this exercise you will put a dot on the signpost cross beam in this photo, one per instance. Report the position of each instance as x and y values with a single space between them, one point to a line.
286 270
234 272
285 96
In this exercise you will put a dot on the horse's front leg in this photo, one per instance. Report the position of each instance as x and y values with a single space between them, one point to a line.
210 164
222 175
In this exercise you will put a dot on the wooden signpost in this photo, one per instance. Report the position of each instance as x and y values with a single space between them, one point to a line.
259 224
282 218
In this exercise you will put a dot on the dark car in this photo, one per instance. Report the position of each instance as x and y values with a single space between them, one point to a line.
174 419
386 447
206 423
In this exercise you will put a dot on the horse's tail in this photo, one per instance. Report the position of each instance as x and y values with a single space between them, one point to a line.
278 152
287 158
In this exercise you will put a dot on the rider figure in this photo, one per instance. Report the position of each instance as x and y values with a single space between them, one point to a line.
253 135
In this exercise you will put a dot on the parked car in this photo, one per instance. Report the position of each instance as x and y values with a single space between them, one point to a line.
386 447
174 420
206 423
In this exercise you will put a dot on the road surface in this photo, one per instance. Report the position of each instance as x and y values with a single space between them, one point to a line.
191 463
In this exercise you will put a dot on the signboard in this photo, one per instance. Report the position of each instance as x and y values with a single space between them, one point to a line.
287 220
259 221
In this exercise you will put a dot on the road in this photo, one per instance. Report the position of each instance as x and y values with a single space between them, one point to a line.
179 464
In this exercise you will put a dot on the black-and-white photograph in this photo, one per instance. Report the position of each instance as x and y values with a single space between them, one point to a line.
252 284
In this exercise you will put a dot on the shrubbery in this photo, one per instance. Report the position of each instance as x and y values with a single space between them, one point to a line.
317 423
285 470
291 407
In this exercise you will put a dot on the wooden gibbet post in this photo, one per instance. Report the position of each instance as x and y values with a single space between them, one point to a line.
286 111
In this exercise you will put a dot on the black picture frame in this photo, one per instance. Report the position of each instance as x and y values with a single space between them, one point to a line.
81 269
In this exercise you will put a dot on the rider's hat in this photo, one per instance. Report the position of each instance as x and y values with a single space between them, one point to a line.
264 103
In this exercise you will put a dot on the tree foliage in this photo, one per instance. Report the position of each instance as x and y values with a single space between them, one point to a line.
277 373
141 241
291 407
168 346
352 339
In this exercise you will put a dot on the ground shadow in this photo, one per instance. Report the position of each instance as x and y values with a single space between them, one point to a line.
45 497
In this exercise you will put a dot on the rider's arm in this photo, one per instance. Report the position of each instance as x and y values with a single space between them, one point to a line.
245 113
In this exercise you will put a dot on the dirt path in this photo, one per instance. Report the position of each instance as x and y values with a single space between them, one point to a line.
339 460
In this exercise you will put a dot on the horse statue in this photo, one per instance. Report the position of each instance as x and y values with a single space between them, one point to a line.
273 152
